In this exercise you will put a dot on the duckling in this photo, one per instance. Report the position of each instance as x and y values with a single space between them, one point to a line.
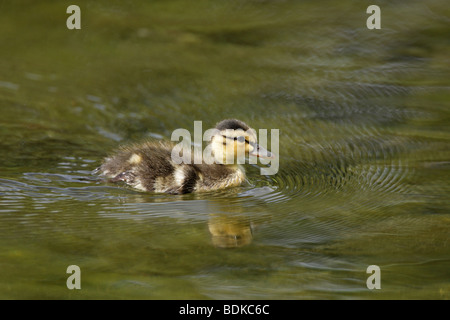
149 166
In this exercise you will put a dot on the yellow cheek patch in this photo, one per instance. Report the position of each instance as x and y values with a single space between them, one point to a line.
135 159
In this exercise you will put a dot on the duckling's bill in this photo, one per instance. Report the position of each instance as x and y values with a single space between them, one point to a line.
261 152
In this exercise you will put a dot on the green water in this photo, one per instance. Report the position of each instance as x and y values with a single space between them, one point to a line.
364 149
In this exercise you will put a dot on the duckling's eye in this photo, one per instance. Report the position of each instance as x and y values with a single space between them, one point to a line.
241 139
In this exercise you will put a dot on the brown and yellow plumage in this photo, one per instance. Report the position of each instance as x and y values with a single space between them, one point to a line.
149 166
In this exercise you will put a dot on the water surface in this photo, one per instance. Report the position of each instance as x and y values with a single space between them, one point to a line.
364 149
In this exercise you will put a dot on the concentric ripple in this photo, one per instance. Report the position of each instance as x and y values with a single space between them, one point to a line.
360 164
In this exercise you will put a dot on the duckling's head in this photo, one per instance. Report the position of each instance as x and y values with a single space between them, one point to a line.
234 140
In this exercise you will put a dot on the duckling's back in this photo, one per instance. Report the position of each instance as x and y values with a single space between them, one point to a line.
149 167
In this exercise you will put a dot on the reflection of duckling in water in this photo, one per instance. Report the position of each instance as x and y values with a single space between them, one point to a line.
229 232
149 166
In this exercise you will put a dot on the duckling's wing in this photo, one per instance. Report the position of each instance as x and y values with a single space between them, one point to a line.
149 167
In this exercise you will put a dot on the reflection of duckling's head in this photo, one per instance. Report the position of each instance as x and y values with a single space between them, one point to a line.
234 140
230 232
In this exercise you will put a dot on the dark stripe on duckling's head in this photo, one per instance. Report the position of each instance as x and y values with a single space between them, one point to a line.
232 124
